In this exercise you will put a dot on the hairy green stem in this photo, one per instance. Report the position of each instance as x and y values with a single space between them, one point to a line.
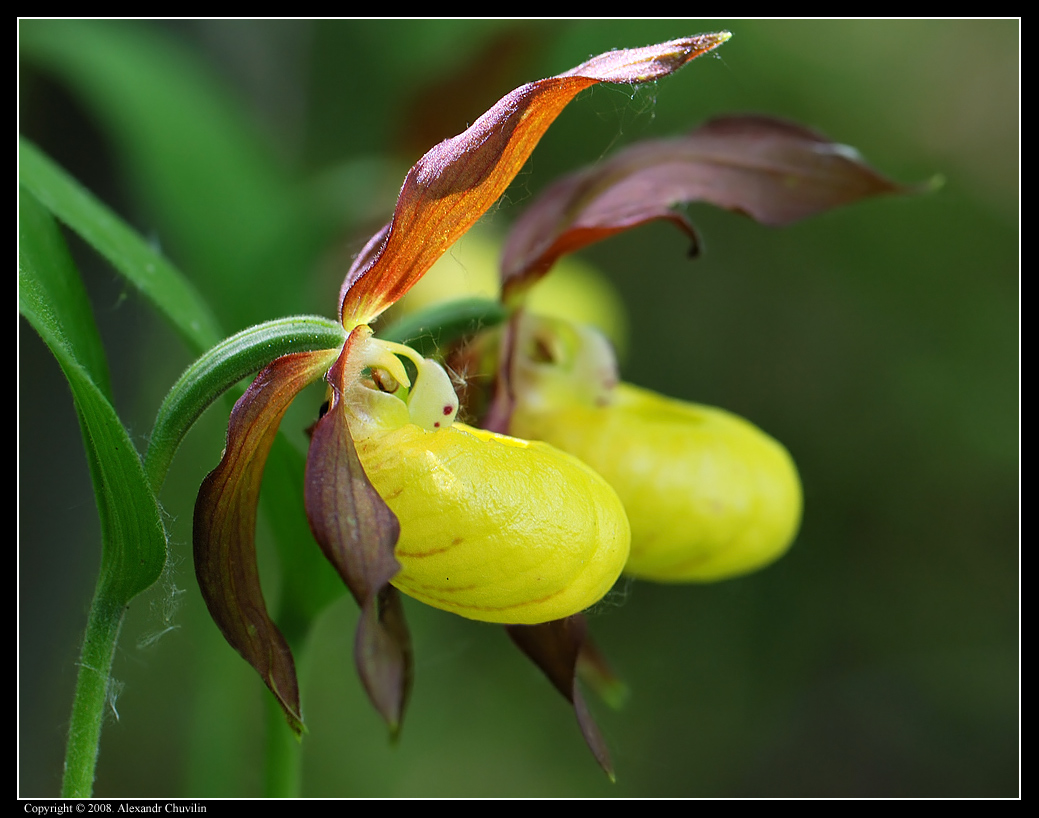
92 697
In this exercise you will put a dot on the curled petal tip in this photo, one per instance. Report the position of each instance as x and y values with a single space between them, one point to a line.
649 63
700 43
774 171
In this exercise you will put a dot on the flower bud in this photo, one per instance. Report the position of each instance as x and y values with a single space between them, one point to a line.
708 495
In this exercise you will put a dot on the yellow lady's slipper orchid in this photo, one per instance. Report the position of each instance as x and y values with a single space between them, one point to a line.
466 548
492 527
708 494
397 496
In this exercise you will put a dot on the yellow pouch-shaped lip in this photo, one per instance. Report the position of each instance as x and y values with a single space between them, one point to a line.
708 495
495 528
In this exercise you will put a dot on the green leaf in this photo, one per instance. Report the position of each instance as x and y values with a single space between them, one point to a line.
54 284
158 280
52 299
133 541
228 210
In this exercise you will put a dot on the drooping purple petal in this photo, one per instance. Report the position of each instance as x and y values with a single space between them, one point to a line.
357 533
383 655
555 647
455 183
774 171
225 525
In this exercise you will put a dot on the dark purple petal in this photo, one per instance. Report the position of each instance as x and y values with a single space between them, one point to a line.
225 525
455 183
774 171
555 647
382 653
357 533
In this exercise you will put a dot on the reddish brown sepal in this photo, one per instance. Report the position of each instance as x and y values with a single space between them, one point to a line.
455 183
225 526
774 171
357 533
555 648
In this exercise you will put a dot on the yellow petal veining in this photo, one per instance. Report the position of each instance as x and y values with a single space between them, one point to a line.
495 528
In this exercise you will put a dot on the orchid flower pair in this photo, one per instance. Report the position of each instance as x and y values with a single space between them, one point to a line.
495 523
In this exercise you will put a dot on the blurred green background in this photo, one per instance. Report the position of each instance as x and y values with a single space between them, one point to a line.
879 343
